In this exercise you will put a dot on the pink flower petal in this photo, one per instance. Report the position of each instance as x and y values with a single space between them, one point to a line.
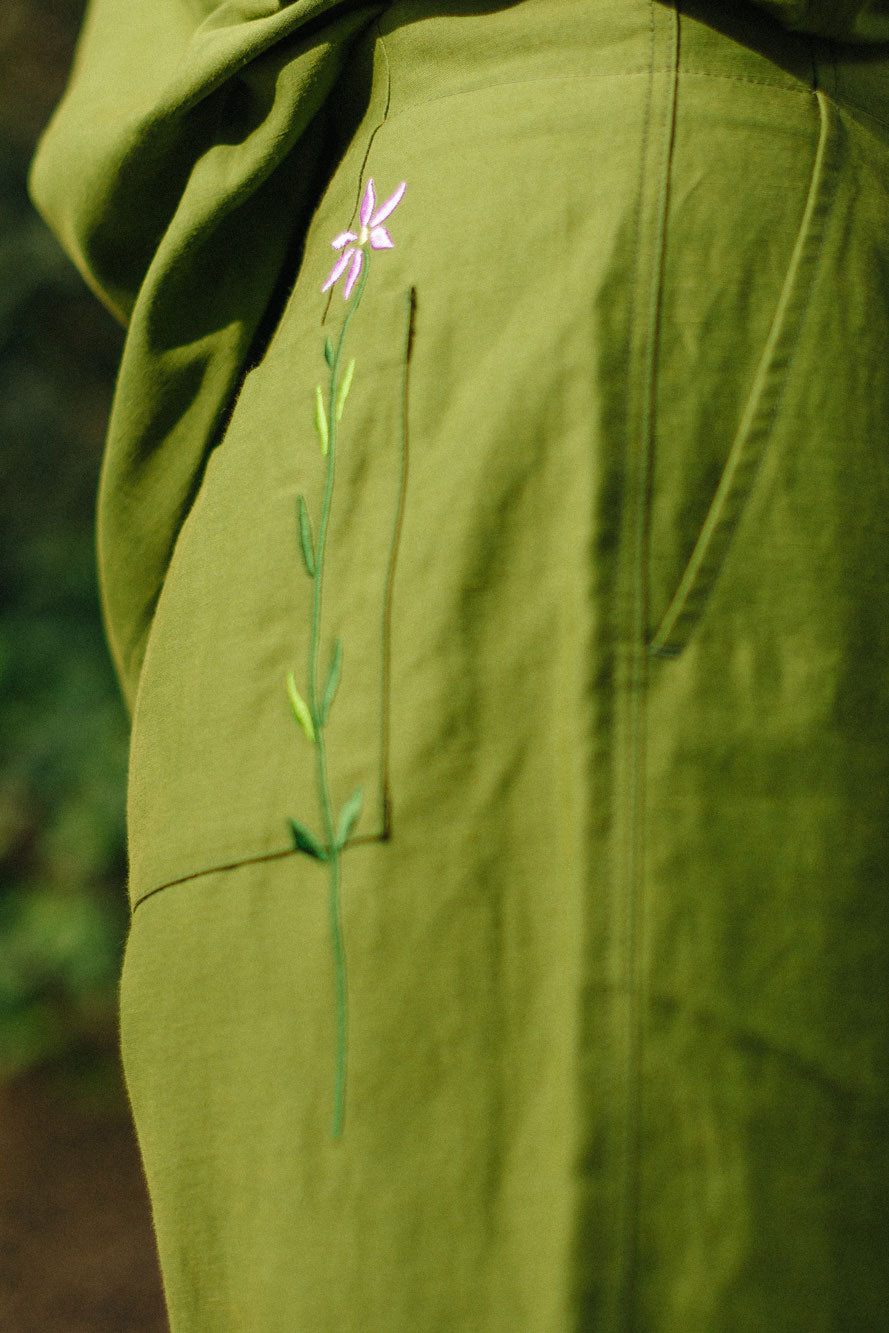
357 261
380 239
339 268
385 209
367 203
344 237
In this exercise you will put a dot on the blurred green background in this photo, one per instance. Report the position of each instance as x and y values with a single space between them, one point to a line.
62 724
77 1252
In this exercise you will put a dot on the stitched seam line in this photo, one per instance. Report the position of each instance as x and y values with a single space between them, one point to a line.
213 870
759 415
624 1276
635 830
599 1295
643 71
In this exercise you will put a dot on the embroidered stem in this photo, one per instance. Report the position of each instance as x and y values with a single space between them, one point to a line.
312 717
330 832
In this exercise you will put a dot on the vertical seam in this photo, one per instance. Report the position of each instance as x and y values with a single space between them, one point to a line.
601 1286
635 831
625 1274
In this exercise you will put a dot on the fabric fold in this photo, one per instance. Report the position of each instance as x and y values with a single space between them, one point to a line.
177 155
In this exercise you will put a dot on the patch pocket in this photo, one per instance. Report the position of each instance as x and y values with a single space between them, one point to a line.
274 621
760 410
349 514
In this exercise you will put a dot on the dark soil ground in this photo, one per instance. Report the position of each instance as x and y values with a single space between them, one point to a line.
77 1252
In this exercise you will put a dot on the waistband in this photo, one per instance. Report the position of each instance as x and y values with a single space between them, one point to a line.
433 54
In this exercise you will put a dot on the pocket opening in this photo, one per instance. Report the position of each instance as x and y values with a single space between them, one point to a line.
760 413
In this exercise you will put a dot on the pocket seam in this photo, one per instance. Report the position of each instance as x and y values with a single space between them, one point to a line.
212 870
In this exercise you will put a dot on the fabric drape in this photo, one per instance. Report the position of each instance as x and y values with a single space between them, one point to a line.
494 544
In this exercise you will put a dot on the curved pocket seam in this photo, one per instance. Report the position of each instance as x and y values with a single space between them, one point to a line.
384 831
214 869
761 410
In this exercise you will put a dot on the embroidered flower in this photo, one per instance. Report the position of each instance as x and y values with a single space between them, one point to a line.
372 233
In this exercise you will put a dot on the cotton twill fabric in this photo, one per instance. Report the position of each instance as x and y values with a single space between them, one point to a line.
615 911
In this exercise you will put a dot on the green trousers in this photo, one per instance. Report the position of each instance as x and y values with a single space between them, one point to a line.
494 537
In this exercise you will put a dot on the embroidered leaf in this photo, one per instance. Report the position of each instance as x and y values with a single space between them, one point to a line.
300 707
305 537
328 352
321 418
348 815
333 679
344 389
304 841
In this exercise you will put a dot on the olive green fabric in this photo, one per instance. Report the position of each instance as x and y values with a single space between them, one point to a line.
179 172
607 559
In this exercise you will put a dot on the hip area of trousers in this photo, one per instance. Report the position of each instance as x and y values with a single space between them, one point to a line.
423 54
